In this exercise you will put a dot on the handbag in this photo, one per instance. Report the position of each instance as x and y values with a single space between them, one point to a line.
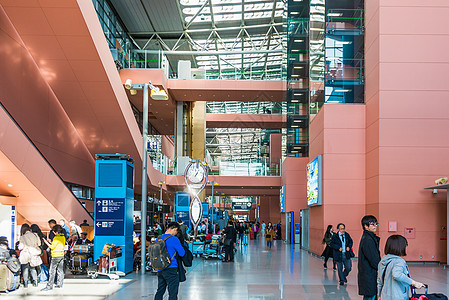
435 296
35 261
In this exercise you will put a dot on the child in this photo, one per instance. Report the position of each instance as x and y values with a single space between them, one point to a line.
57 258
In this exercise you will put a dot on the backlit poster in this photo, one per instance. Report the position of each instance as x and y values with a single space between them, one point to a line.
314 181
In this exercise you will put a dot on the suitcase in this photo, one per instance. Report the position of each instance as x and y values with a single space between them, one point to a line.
103 264
436 296
83 249
81 261
9 281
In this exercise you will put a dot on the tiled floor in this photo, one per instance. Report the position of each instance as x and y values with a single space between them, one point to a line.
284 272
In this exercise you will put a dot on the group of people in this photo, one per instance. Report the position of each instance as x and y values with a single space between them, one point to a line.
378 278
34 248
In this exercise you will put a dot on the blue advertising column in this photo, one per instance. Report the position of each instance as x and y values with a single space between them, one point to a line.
114 206
182 208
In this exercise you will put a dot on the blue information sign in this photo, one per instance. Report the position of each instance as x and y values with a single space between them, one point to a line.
110 216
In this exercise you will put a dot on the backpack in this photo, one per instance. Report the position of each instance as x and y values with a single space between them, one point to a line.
159 257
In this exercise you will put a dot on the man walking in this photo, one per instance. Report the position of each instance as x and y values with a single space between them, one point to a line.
369 258
341 244
169 276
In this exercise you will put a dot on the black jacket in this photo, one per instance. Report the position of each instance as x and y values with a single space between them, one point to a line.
336 244
231 233
369 258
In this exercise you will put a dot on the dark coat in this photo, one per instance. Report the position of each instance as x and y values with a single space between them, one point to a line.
231 233
369 258
336 244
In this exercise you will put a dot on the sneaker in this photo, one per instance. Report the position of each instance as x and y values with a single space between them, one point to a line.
46 289
325 267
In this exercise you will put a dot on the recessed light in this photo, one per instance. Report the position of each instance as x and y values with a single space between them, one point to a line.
342 90
297 121
10 185
298 67
298 94
299 41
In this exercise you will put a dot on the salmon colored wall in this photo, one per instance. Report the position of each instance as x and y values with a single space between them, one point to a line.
168 146
407 140
33 105
295 180
269 209
275 148
341 141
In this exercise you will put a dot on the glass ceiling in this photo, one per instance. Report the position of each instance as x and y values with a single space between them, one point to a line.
256 30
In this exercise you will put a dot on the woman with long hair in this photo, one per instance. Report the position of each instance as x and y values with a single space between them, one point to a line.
327 253
29 257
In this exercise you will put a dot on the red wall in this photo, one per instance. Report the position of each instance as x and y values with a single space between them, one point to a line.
341 142
33 105
295 180
407 116
269 209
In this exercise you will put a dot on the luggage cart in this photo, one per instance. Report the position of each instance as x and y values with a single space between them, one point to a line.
80 258
214 248
107 265
197 248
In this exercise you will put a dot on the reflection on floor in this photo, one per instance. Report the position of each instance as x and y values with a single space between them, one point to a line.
284 272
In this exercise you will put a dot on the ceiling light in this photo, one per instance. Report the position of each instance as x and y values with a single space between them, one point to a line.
298 94
346 42
317 29
342 90
294 151
294 13
297 121
10 185
299 41
333 101
294 75
295 50
335 14
295 101
298 67
295 126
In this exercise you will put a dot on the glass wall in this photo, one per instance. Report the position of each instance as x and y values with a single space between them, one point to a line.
297 75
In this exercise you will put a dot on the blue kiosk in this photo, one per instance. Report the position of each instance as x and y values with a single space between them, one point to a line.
114 206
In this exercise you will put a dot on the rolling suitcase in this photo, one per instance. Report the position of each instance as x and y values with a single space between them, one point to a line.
435 296
9 281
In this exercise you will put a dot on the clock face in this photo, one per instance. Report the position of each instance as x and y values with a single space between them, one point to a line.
196 173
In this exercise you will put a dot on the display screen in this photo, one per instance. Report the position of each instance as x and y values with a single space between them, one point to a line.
314 181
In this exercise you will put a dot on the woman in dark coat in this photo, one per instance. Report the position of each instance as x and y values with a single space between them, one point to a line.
328 252
369 258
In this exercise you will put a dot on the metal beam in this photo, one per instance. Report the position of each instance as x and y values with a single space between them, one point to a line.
211 53
206 30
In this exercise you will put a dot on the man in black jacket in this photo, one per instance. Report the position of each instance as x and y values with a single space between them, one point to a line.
341 244
229 241
369 258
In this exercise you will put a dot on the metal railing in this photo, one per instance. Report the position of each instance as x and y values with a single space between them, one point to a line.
229 107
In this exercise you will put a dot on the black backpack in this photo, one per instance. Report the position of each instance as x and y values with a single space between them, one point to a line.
159 257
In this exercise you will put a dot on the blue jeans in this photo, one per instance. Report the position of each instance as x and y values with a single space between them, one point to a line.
167 277
269 243
369 297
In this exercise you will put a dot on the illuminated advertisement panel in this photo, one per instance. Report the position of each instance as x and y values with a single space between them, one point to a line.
314 181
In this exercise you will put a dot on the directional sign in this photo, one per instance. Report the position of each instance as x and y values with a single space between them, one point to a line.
241 205
109 216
